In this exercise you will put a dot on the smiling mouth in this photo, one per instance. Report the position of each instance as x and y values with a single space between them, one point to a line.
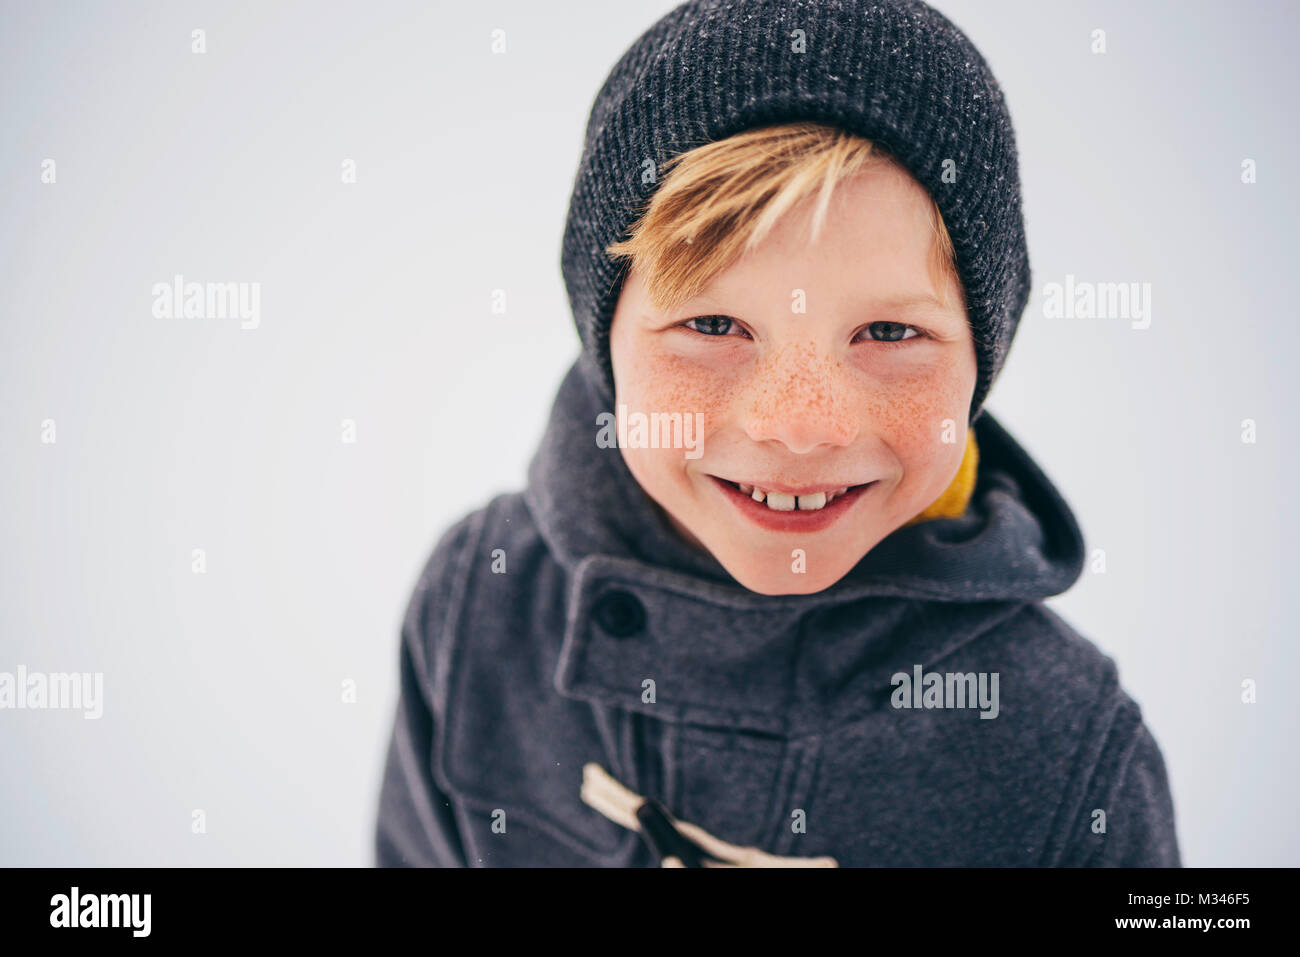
804 511
778 501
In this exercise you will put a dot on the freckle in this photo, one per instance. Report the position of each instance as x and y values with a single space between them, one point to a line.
792 373
916 407
676 385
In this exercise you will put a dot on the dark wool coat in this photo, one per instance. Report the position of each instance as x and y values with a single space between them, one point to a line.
774 721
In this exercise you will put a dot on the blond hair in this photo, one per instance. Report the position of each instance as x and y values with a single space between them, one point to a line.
720 200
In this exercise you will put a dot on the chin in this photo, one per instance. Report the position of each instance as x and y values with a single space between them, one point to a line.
765 581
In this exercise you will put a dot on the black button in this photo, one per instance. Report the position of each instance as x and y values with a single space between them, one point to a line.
620 613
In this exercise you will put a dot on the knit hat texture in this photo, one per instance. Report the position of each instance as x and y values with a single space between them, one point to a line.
894 71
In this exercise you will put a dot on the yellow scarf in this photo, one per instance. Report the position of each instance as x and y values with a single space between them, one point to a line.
952 502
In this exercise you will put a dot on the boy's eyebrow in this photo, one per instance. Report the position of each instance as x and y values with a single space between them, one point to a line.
902 302
916 301
921 302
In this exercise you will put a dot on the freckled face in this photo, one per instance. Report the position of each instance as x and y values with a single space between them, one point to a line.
854 382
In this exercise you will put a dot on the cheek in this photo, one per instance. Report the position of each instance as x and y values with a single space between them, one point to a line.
657 471
650 379
912 411
657 380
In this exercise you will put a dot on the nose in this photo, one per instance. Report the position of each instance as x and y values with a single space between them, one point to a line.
802 399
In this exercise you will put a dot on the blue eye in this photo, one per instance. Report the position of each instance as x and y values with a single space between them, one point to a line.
882 332
713 325
891 331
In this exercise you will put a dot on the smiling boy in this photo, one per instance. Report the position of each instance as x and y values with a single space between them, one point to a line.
797 224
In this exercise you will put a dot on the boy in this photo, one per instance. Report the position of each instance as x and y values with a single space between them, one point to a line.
774 594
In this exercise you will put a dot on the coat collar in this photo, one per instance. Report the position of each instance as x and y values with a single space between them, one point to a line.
644 604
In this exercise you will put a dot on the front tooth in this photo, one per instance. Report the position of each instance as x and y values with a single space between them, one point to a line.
780 501
758 494
810 503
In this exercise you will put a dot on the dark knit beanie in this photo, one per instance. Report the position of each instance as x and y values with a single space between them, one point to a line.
893 71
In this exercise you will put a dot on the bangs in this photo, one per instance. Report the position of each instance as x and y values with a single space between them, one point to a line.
720 200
